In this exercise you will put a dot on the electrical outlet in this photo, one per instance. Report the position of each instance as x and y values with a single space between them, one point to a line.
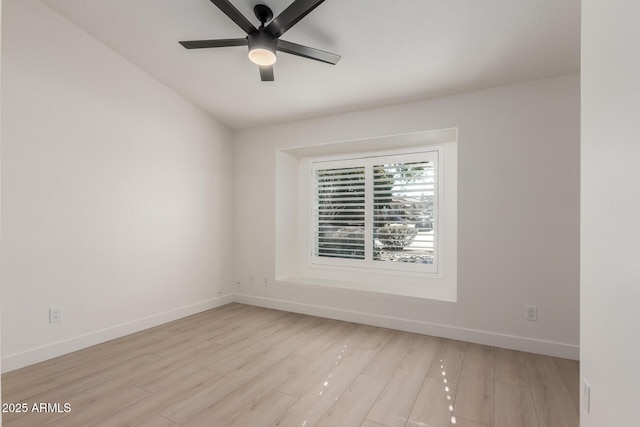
586 396
266 282
531 313
55 314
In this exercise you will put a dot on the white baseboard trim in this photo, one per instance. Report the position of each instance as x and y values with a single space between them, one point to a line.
49 351
548 348
18 360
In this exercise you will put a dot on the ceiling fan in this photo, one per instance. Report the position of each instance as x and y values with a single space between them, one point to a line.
263 42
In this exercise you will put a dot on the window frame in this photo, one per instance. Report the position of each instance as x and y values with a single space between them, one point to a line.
369 160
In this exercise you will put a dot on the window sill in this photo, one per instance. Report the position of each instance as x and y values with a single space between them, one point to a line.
390 284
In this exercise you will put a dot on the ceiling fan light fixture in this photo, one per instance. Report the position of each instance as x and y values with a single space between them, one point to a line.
262 48
262 57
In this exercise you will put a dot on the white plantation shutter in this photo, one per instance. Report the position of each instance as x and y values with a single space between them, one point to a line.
339 212
377 211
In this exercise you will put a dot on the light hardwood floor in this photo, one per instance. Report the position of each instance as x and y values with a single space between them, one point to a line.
245 366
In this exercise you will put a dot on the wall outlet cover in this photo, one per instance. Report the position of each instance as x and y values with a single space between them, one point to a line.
531 313
55 314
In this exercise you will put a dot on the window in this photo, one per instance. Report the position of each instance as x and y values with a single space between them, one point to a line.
378 212
371 215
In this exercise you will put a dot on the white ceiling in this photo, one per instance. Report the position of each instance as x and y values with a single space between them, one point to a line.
392 51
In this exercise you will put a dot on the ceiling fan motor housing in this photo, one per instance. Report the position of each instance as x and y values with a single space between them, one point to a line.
262 40
263 44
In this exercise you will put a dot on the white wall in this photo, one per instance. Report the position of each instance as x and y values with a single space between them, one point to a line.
610 209
518 216
116 200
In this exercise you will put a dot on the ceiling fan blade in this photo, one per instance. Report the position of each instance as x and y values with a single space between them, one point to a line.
291 15
203 44
307 52
266 73
234 14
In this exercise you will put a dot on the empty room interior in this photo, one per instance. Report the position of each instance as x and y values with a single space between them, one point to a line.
320 213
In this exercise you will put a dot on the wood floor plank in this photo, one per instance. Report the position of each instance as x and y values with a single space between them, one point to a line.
102 408
274 348
375 338
318 366
434 404
244 331
166 376
214 329
554 406
463 422
62 364
354 404
212 319
103 363
238 341
156 421
265 411
312 406
395 403
368 423
30 418
326 338
570 371
181 344
511 367
189 407
542 369
389 357
225 410
157 401
475 395
514 406
450 356
17 391
242 348
267 352
185 407
87 390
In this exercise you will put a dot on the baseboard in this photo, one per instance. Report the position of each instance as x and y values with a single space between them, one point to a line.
548 348
49 351
18 360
